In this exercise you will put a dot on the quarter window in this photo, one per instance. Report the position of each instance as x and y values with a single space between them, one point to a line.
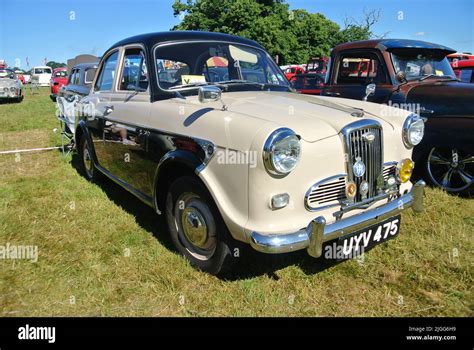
467 75
107 73
134 72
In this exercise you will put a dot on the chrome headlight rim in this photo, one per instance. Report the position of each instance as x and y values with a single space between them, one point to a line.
409 122
268 150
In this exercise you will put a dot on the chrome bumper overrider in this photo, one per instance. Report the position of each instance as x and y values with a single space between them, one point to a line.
317 232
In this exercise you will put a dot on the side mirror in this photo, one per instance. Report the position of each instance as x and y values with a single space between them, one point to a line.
209 94
401 77
369 90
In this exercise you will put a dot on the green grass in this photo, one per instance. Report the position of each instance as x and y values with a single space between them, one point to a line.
84 231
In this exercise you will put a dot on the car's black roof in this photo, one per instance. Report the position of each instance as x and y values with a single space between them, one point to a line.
393 44
151 39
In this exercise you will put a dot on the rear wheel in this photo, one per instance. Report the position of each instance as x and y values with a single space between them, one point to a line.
197 228
451 169
87 163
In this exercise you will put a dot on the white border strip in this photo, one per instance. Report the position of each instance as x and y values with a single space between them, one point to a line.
29 150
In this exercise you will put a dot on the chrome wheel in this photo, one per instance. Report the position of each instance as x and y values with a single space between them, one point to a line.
196 226
451 169
87 160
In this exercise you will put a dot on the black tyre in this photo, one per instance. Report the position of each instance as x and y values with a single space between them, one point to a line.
87 163
197 228
451 169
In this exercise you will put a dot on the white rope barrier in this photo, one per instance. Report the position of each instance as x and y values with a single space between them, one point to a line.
29 150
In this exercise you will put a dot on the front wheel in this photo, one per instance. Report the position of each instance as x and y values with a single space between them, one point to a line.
451 169
197 228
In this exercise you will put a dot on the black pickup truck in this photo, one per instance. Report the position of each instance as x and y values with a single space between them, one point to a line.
414 75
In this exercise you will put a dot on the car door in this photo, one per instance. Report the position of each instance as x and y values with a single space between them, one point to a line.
353 71
121 111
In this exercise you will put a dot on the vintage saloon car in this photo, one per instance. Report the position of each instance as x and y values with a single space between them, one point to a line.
238 157
10 86
417 76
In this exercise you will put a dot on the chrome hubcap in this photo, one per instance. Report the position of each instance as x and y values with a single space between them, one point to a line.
194 227
451 169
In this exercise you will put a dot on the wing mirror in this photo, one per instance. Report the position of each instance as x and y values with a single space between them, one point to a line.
401 77
369 90
210 93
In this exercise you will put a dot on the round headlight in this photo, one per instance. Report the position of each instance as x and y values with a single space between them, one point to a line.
413 130
281 152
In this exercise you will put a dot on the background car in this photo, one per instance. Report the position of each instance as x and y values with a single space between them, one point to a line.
414 75
79 81
291 71
308 83
58 79
10 86
41 75
21 76
464 70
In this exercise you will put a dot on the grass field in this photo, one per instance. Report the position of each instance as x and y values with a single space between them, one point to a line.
102 252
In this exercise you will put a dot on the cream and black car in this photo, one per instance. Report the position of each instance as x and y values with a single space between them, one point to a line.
204 128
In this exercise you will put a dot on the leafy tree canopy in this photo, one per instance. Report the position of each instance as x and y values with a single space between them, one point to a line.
292 36
54 65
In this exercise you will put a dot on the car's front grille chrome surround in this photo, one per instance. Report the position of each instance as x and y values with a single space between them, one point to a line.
363 142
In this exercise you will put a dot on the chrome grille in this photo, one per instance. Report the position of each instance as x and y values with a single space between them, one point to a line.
370 153
327 193
389 169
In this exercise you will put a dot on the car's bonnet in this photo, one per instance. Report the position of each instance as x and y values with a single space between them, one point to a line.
312 117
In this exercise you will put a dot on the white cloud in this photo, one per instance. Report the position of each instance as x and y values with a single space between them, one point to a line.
420 33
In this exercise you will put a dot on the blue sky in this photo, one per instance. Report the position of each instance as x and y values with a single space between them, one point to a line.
61 29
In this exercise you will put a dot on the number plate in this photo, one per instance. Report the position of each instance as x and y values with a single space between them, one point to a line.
356 243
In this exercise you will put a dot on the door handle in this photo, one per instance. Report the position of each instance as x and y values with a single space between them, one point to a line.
108 110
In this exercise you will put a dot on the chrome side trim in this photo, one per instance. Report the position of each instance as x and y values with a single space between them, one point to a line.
317 232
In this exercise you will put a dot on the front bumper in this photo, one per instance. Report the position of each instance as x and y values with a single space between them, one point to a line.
317 232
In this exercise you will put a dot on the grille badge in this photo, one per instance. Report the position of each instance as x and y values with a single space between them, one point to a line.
359 167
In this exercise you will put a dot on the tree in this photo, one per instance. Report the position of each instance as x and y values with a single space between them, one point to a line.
292 36
54 65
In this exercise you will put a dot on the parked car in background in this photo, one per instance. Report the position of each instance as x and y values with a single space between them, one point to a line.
464 70
10 86
58 79
20 75
79 81
226 163
317 65
291 71
459 56
41 75
414 75
308 83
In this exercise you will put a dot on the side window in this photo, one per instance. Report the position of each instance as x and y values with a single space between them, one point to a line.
107 73
77 77
89 75
71 77
467 75
360 69
134 72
